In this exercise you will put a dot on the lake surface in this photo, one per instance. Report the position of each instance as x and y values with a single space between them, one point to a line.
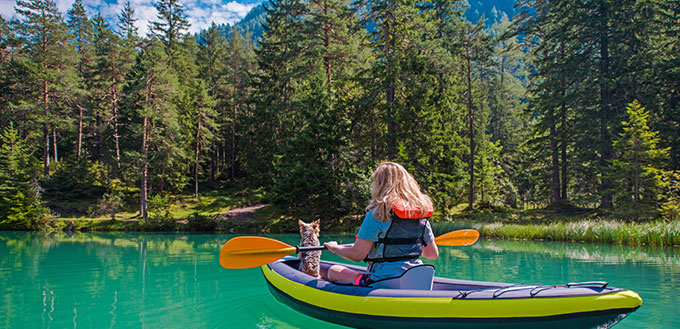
175 281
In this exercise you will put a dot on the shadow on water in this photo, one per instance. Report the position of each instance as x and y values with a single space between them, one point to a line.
123 280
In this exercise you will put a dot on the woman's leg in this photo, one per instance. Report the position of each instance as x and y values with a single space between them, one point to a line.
339 273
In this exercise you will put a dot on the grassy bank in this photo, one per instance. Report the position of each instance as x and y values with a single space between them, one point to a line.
184 213
214 202
654 233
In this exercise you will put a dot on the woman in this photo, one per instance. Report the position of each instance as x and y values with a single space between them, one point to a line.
394 233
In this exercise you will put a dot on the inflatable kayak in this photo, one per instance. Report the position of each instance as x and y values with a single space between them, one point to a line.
449 303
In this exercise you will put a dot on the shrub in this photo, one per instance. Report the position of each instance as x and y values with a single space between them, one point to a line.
670 209
201 223
159 207
110 203
159 224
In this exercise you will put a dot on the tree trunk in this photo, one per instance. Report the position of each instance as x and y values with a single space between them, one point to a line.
145 171
145 152
563 145
198 149
471 163
80 129
46 99
555 186
54 139
636 175
606 150
46 133
46 153
116 138
233 143
326 44
389 91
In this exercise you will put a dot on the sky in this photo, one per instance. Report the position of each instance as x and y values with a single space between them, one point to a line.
201 13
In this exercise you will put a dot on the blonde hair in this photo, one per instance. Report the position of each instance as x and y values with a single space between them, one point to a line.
392 183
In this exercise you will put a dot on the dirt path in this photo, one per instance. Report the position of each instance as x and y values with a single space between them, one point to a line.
242 213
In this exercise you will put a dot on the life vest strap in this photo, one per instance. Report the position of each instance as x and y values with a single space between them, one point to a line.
399 240
389 259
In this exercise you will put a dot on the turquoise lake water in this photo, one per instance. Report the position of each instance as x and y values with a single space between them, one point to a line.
175 280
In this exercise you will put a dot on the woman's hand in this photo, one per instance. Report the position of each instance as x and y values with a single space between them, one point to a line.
332 246
355 252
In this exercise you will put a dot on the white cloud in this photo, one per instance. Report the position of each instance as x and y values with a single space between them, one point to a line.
201 13
7 9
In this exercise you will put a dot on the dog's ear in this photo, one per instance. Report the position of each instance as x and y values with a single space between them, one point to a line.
315 225
301 223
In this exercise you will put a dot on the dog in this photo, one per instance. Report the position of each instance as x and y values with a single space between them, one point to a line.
310 260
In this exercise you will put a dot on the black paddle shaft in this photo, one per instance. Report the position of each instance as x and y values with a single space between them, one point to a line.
310 248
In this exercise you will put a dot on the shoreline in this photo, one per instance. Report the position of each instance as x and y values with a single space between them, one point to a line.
594 230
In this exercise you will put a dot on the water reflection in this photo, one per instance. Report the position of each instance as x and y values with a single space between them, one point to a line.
141 280
588 252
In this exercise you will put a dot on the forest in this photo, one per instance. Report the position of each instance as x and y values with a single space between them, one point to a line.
567 105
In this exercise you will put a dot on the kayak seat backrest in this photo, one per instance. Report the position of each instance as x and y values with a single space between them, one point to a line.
418 277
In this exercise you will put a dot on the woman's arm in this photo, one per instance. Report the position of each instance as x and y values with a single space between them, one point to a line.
431 251
355 252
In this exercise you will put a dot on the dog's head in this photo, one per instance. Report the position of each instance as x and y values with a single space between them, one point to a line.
311 228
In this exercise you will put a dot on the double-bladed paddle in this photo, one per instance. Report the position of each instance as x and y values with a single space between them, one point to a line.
252 251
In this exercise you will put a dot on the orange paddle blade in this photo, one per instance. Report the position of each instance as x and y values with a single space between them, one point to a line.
457 238
252 251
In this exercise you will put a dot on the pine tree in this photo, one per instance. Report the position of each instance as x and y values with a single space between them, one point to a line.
52 68
396 29
637 166
170 26
9 43
664 75
111 65
19 201
237 78
203 115
126 23
152 90
81 29
211 61
274 115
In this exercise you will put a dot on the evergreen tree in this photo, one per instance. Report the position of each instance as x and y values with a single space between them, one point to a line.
111 64
274 114
81 30
308 174
9 43
237 80
397 27
475 45
152 90
126 23
50 53
203 115
637 166
664 75
170 26
211 61
20 205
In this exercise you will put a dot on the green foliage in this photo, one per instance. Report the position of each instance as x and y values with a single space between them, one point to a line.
525 112
159 207
20 205
636 168
670 208
109 204
201 223
77 179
